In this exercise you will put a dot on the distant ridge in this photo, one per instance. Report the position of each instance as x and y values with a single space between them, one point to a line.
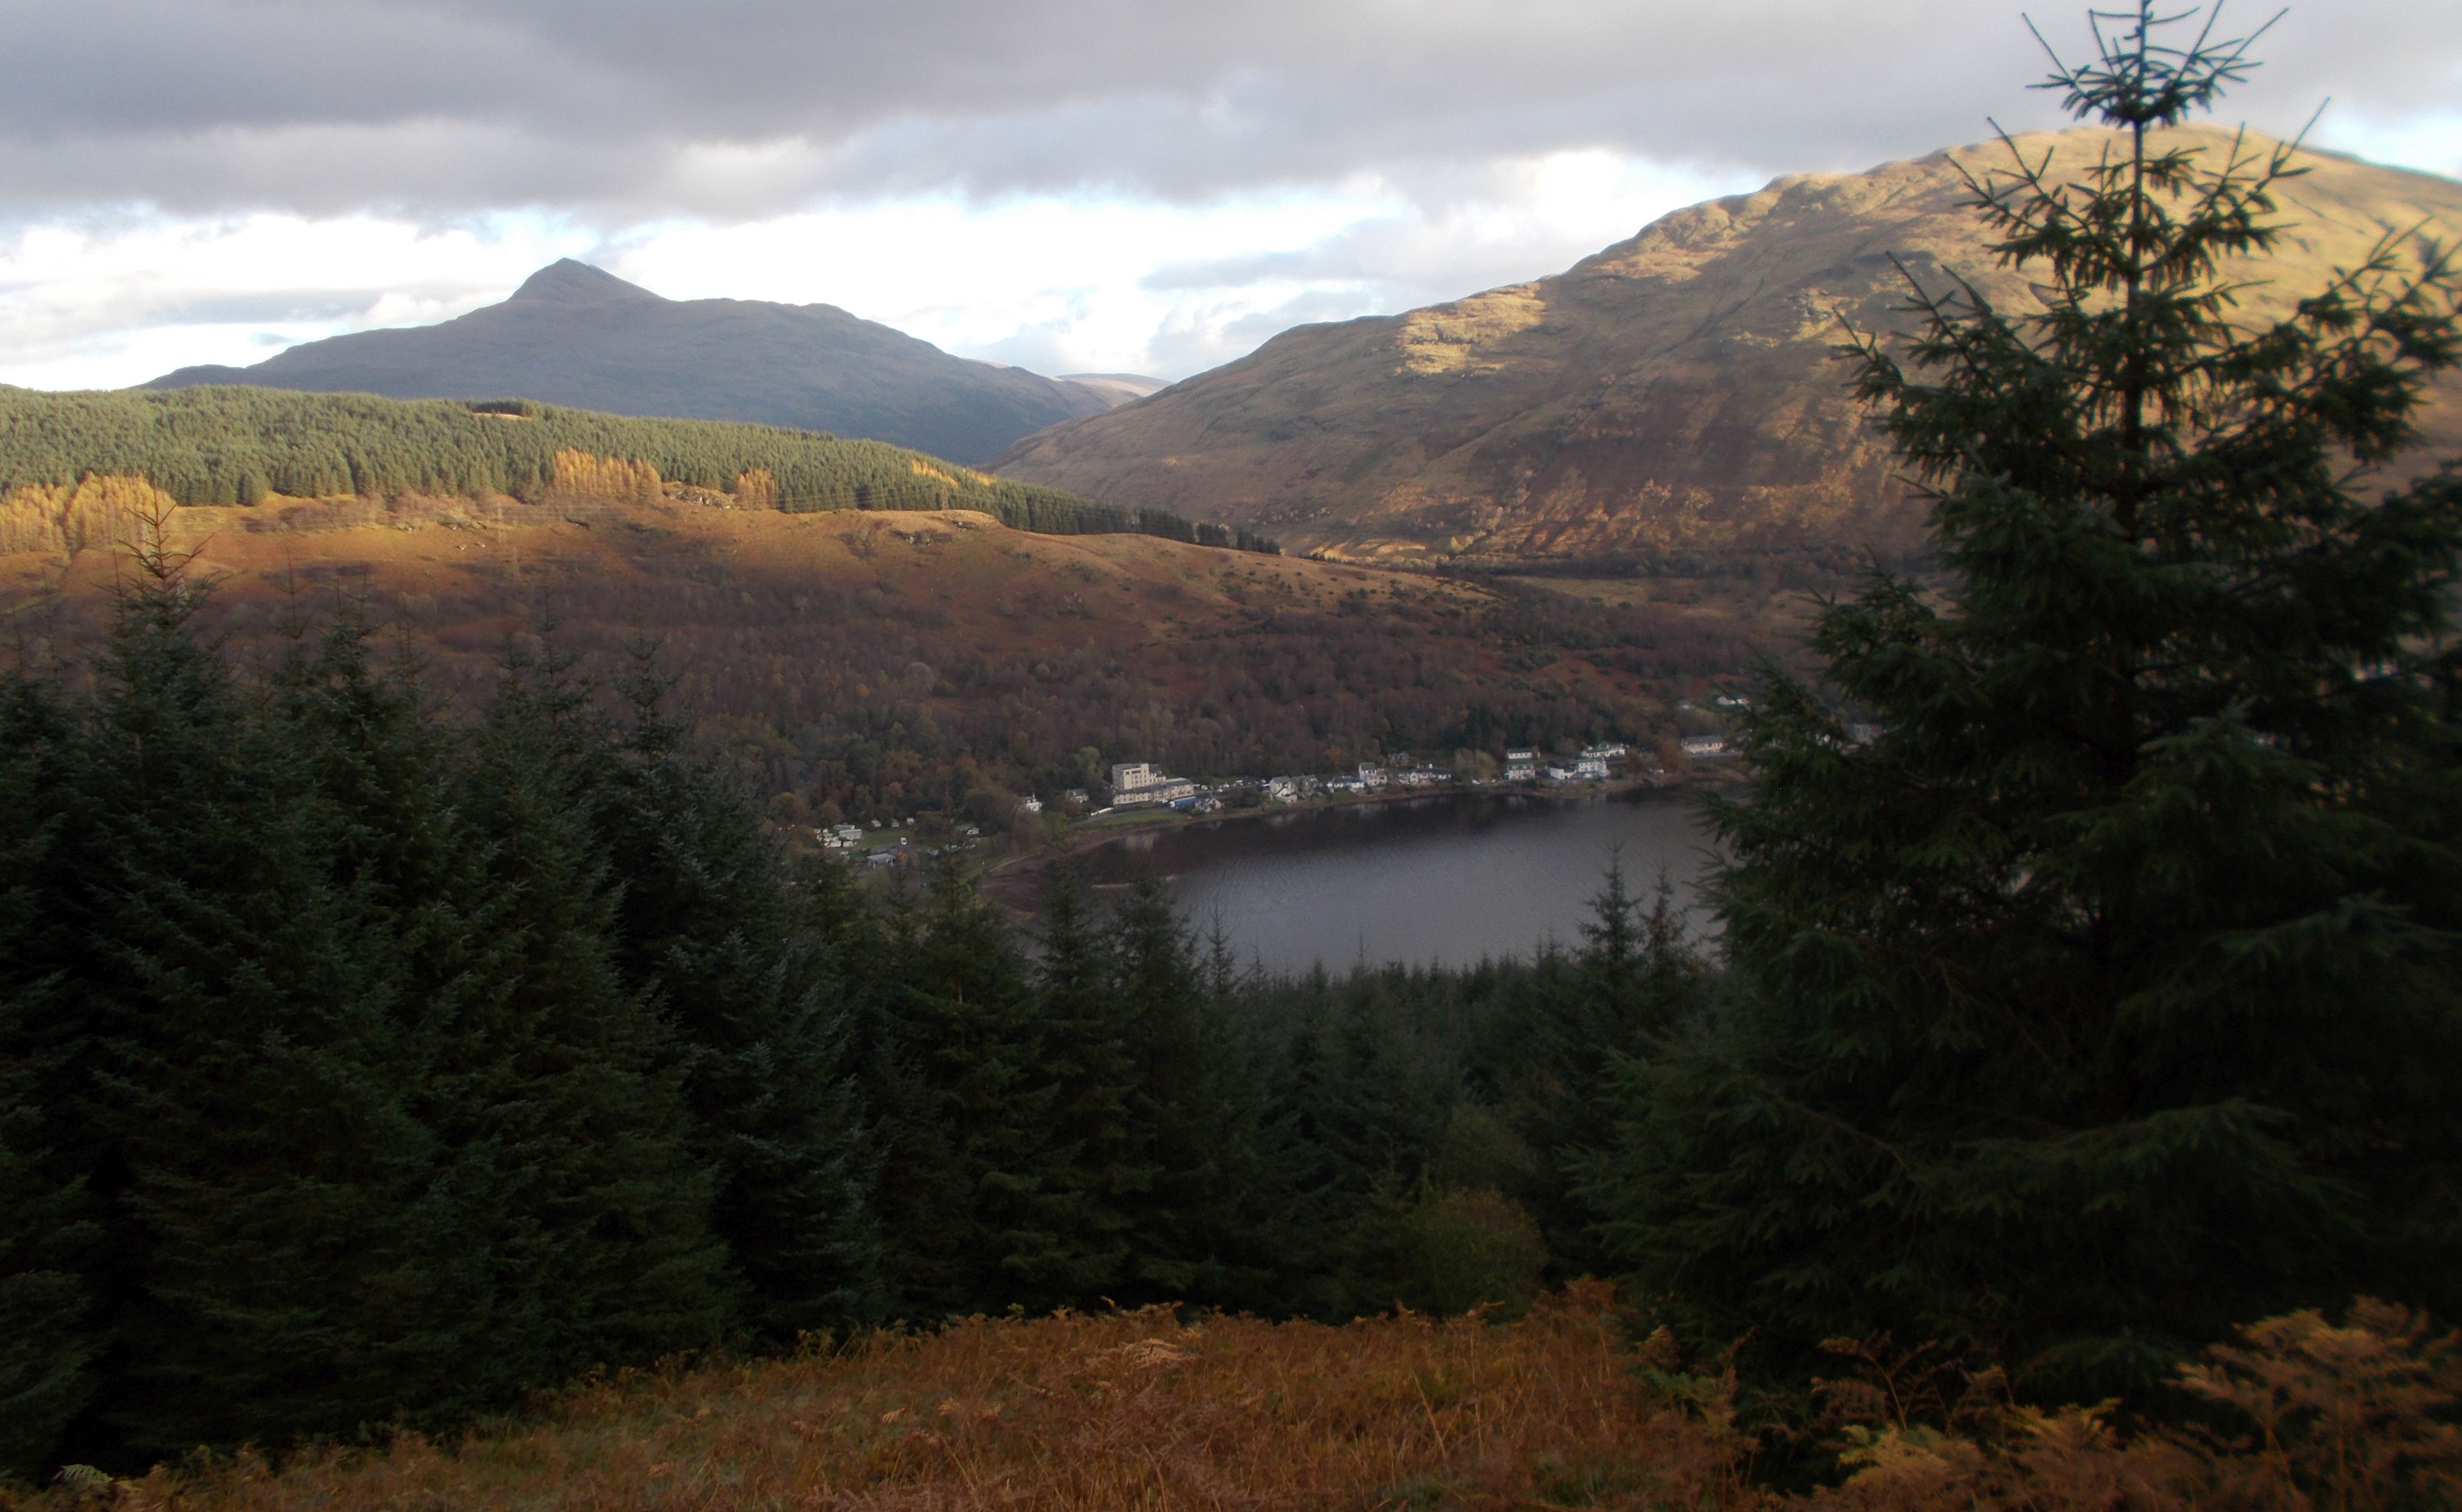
1120 388
579 336
1674 400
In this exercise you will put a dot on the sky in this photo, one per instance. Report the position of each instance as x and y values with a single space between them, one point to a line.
1073 185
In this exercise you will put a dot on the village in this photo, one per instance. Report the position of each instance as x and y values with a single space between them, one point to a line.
1144 789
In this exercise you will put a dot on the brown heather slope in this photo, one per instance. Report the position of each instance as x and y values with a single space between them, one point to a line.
1675 394
894 663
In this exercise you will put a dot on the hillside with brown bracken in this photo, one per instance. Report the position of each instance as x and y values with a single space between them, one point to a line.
1675 395
897 663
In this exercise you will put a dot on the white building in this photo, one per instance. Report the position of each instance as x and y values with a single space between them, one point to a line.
1029 804
1137 785
1698 746
1592 768
1520 765
1161 791
1612 750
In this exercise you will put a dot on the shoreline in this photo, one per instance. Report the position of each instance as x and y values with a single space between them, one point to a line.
1007 882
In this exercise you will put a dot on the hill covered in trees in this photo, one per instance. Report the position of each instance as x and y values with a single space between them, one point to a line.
895 664
573 335
853 619
244 446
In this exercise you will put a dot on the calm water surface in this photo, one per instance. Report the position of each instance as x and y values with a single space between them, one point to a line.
1447 879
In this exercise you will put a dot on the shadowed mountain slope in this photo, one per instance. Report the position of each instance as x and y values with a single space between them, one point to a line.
572 334
1675 394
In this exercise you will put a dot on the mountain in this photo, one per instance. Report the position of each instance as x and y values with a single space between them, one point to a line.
574 334
1676 396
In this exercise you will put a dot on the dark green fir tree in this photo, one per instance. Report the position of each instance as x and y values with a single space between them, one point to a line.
739 954
1211 1204
561 1085
1637 979
49 1233
241 1108
977 1216
1097 1169
2112 994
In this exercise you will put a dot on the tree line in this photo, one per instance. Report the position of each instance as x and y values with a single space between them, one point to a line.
239 446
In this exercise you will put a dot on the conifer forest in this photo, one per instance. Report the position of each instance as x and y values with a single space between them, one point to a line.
235 445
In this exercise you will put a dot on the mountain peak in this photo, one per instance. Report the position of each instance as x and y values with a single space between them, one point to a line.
569 282
577 336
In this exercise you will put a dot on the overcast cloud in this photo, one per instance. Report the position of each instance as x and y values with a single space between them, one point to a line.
1071 183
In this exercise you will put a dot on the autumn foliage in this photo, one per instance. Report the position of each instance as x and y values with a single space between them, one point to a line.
99 511
581 475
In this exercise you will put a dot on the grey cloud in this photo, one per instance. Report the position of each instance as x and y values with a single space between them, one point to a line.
247 307
626 110
36 329
146 302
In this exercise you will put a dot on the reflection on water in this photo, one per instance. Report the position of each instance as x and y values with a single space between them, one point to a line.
1447 879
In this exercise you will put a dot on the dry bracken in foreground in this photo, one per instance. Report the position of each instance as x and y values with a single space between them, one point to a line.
1132 1410
1150 1409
